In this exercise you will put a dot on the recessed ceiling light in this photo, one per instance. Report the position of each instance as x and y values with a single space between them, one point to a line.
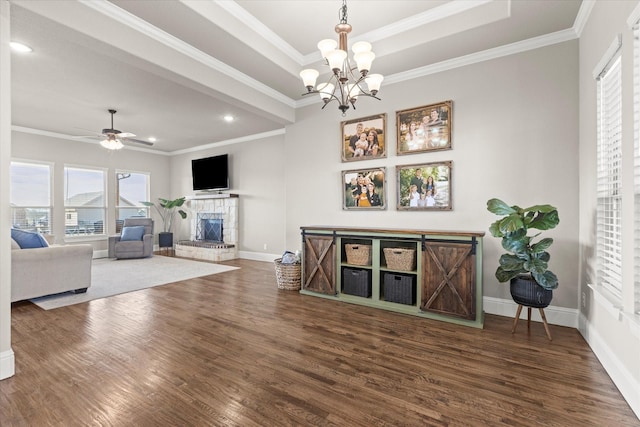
228 118
152 139
19 47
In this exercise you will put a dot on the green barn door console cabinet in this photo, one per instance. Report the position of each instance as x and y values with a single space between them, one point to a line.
432 274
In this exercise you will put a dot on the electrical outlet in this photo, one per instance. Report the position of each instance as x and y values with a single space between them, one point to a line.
265 246
584 299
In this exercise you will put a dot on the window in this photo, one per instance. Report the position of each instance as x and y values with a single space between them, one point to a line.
609 163
131 189
31 196
84 201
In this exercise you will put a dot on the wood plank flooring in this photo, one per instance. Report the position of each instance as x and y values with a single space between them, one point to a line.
233 350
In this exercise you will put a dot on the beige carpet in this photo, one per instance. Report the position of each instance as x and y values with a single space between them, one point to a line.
112 277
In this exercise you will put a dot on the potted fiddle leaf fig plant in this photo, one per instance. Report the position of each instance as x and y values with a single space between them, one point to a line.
525 265
167 209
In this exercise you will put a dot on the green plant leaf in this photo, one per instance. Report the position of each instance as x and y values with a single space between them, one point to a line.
536 265
545 221
499 207
516 242
547 280
494 229
510 262
511 223
504 276
542 245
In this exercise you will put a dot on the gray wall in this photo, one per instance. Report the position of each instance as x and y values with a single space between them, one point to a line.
515 137
257 170
613 333
60 152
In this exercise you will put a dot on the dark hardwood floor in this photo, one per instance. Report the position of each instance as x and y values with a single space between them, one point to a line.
233 350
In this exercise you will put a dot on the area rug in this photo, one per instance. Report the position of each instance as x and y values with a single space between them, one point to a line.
112 277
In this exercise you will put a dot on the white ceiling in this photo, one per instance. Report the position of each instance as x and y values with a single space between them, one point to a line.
173 69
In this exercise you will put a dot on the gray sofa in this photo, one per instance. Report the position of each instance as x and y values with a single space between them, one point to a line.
44 271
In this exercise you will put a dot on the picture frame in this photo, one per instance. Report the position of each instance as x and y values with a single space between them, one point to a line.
357 191
373 147
429 177
424 129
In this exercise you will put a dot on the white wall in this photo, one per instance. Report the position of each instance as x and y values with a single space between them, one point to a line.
257 170
515 137
7 360
61 152
613 334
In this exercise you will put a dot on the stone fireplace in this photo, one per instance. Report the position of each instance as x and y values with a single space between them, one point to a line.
213 228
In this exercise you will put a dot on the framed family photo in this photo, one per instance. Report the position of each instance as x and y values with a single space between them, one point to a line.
424 186
425 128
364 189
364 138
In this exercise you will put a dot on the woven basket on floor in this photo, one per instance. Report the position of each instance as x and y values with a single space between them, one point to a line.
400 258
358 254
287 275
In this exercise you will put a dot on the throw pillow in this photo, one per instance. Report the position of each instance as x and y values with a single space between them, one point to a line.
132 233
28 239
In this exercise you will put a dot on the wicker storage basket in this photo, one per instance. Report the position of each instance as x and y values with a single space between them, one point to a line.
402 259
356 282
287 275
358 254
399 288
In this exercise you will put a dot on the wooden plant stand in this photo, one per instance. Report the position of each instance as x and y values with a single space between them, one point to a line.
544 320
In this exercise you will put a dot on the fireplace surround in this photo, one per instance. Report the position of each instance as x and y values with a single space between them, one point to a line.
213 228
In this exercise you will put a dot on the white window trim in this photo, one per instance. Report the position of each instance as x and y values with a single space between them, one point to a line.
51 186
105 172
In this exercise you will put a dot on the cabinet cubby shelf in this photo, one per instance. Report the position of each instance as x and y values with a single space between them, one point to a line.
445 283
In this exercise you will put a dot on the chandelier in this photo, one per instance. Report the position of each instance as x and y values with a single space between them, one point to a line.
346 84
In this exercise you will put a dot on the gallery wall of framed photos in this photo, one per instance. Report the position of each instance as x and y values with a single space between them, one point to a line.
420 186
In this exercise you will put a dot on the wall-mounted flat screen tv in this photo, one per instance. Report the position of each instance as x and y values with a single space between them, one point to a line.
210 173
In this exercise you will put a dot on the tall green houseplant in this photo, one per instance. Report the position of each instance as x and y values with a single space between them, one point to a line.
524 256
167 210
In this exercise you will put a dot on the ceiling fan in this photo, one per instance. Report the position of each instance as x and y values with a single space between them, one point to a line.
114 139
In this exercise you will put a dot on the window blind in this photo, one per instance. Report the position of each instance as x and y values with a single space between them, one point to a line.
609 184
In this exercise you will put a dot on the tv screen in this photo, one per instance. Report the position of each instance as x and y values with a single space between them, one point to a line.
210 173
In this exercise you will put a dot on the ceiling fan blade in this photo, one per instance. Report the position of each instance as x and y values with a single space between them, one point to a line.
97 136
92 132
126 135
138 141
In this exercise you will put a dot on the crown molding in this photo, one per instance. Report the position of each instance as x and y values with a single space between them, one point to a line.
474 58
239 140
232 141
634 18
444 11
259 28
111 10
439 13
49 134
583 16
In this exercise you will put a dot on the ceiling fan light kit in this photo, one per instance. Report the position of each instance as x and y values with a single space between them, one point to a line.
345 84
113 139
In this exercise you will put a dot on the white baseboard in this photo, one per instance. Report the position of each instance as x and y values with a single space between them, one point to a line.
100 254
7 364
258 256
623 379
555 315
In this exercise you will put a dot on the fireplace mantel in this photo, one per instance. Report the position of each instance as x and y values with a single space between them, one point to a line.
211 196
